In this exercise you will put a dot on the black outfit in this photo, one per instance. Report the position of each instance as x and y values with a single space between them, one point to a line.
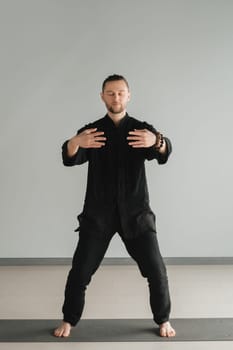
116 200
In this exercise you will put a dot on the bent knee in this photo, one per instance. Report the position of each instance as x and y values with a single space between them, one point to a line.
153 270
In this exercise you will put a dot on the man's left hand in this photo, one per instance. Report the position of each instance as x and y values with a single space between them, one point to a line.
141 138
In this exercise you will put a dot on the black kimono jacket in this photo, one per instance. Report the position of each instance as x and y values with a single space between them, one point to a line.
116 179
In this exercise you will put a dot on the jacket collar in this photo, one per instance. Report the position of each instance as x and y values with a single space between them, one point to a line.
111 123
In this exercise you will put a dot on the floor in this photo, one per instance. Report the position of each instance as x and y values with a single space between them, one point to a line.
116 292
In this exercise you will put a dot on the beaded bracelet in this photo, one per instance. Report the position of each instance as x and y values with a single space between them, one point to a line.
159 140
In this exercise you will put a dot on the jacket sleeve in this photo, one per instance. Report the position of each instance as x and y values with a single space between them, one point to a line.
80 157
152 153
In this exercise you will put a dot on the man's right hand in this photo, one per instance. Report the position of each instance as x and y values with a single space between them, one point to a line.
89 138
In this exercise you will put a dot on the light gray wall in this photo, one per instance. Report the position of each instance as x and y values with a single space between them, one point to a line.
177 56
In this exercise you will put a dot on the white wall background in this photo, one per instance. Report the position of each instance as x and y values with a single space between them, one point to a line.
177 56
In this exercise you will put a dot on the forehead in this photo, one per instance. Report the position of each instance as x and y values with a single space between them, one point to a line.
116 85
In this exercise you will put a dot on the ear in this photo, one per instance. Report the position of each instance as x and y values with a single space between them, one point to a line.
102 96
129 96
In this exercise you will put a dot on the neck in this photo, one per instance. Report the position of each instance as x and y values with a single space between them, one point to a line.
116 117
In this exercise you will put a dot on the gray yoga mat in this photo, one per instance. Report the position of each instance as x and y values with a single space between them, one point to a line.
117 330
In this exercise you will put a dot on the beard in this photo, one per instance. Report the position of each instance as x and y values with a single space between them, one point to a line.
115 109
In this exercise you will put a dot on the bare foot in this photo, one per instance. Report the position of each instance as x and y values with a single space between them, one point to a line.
166 330
63 330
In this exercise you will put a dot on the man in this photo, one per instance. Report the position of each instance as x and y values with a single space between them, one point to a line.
116 200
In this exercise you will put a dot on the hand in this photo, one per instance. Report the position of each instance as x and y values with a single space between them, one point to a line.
90 138
141 138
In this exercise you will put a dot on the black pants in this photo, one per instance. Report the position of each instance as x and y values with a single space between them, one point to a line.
87 258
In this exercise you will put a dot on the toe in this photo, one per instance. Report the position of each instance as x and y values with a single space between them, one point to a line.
172 333
166 330
163 332
57 333
66 333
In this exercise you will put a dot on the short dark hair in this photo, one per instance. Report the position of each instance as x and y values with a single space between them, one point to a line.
114 77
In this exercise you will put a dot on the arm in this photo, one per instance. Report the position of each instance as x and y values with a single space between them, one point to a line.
78 157
162 154
75 150
146 138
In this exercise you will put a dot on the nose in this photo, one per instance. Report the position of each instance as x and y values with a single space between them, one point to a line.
116 97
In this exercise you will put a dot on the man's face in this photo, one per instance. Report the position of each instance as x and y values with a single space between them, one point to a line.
116 96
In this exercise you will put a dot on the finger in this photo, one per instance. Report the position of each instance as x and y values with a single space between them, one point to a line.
99 138
138 145
134 138
89 131
135 143
98 133
138 132
96 145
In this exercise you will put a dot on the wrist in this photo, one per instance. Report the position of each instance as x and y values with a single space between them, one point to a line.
159 141
72 146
